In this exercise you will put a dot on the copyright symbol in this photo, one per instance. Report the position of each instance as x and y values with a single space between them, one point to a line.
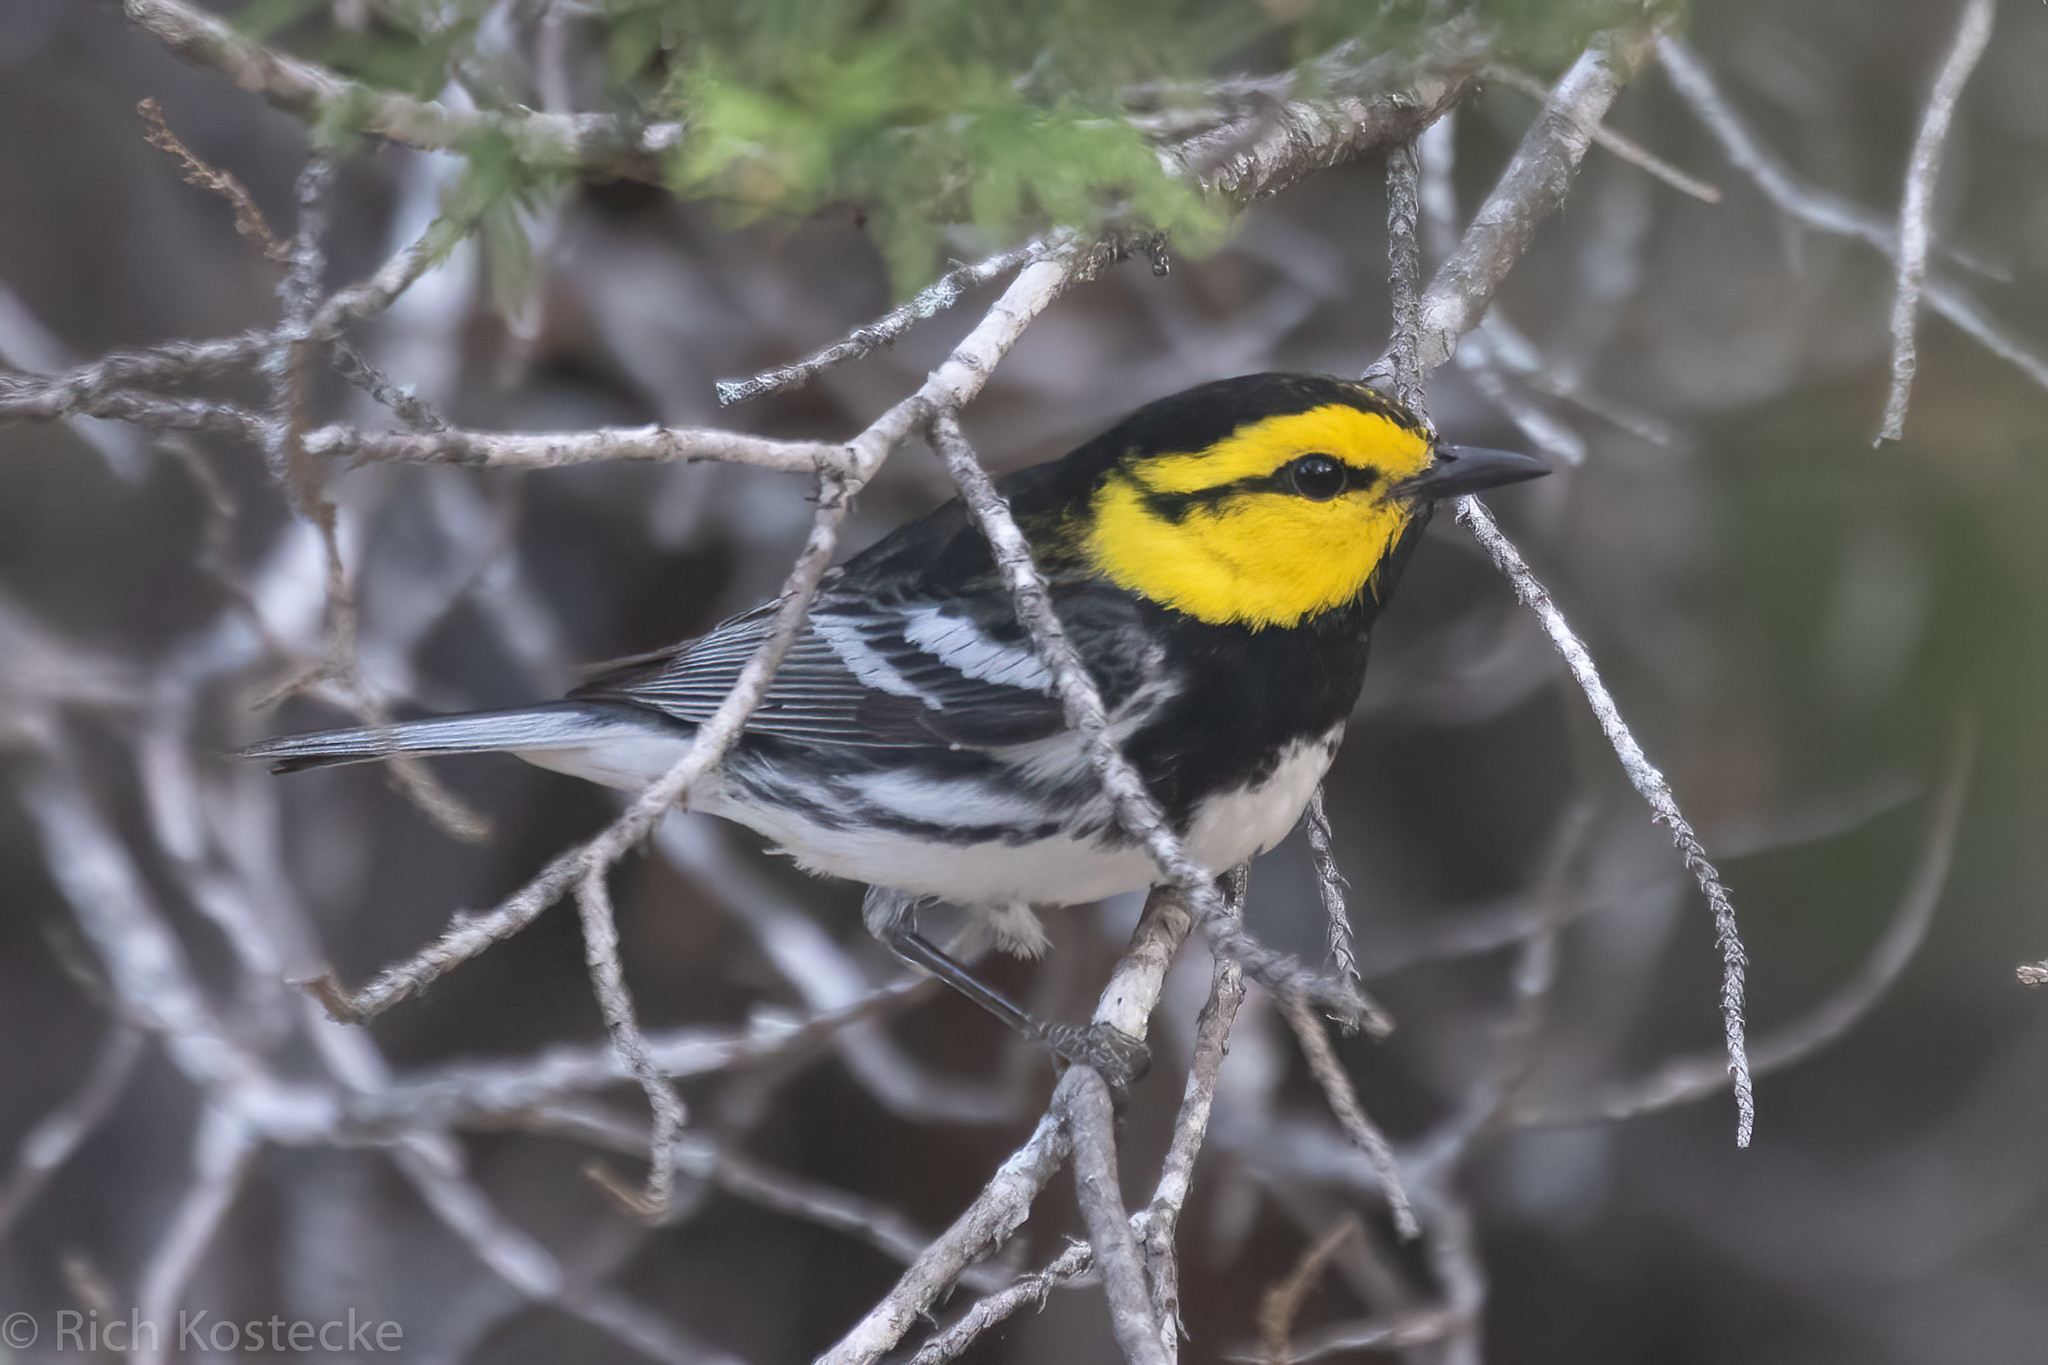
18 1331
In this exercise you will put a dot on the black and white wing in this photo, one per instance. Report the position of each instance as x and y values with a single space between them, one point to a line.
915 674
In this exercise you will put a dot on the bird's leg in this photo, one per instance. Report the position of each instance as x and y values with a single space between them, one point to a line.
1120 1058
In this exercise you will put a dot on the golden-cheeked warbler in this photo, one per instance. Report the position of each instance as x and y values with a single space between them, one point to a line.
1218 559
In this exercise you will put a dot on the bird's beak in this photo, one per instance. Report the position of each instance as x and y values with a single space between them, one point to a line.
1458 470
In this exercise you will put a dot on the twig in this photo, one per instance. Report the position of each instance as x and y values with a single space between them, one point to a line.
222 1148
1005 1201
1090 1122
1828 212
481 1092
1282 1302
1691 1078
249 220
1627 148
1330 885
1351 1116
987 1223
594 144
1370 1334
472 934
48 1145
1916 206
1404 273
1190 1126
1345 107
933 299
608 981
1647 780
548 450
1530 190
1027 1291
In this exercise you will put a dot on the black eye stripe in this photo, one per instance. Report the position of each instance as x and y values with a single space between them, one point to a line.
1176 507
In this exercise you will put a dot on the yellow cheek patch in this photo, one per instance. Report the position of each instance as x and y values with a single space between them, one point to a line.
1257 556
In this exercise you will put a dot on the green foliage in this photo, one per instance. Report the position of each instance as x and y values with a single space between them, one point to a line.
929 118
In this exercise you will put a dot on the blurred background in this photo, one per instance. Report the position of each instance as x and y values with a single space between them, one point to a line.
1795 621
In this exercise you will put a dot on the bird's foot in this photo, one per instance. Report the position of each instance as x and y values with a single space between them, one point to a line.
1121 1059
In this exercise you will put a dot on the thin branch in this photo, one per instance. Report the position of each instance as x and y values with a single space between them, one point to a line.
1528 191
608 981
593 144
1330 884
471 935
48 1145
1404 273
929 302
1282 1302
1830 213
1005 1201
1692 1078
1351 1116
1627 148
549 450
987 1223
1647 780
1090 1124
1343 108
1916 206
249 220
222 1148
1027 1291
1190 1126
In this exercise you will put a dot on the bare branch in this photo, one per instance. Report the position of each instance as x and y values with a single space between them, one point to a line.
472 934
1027 1291
933 299
1627 148
1691 1078
1830 213
1273 137
996 1212
1190 1126
249 220
1331 885
1351 1116
548 450
1282 1302
594 144
1090 1125
1005 1201
222 1148
1916 207
608 981
1530 190
1647 780
49 1144
1404 274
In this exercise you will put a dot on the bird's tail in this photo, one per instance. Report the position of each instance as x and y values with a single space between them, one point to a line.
556 725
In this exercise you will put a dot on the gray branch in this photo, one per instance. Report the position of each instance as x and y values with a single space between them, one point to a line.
1916 206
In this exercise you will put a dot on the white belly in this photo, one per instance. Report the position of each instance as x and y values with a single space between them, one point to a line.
1062 870
1228 829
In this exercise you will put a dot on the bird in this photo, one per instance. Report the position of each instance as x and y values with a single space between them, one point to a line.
1218 559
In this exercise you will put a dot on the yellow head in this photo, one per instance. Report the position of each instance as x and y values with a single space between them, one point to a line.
1258 501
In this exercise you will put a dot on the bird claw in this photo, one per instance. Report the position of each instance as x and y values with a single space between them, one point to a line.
1120 1059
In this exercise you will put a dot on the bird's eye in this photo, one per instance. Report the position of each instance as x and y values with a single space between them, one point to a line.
1317 477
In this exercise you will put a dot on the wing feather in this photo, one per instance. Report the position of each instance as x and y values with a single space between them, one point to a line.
863 674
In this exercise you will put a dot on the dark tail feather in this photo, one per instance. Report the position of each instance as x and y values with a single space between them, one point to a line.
558 725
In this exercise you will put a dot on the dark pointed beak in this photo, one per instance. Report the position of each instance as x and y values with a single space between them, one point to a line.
1458 470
